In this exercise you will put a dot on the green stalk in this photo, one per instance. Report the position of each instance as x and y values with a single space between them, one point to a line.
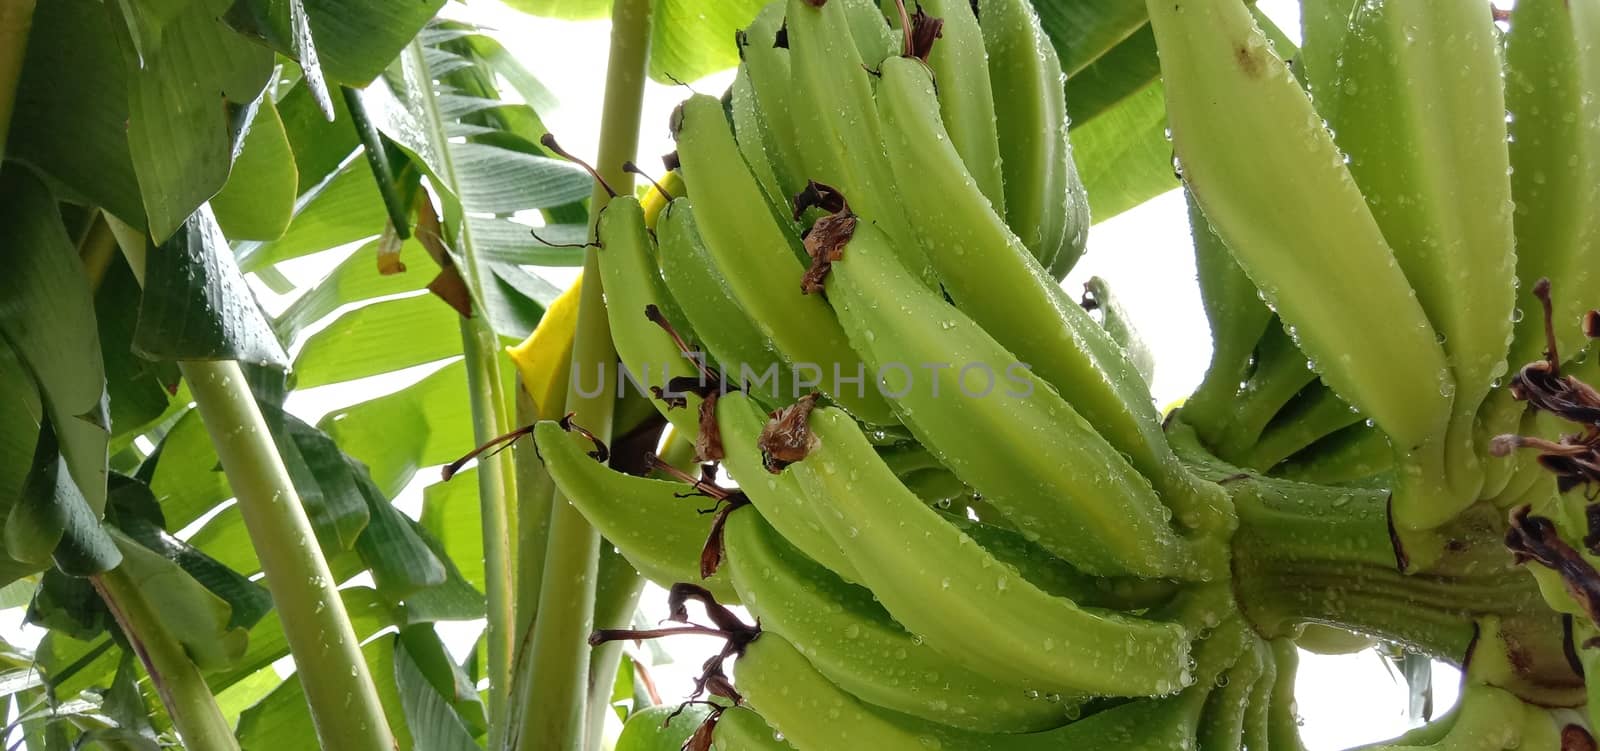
534 494
182 687
496 475
16 17
339 689
556 706
616 598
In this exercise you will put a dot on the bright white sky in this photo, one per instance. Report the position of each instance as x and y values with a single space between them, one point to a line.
1144 254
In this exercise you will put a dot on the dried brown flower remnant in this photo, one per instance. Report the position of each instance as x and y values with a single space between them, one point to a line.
600 453
736 635
825 240
787 438
1534 538
925 29
708 444
1575 458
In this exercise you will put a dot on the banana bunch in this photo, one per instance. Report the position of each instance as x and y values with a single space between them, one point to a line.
1444 168
956 515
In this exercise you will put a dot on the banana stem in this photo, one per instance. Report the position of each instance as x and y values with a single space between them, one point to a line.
616 597
554 712
16 17
343 699
1307 553
490 418
180 684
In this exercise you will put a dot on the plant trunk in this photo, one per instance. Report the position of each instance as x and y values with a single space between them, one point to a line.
179 683
328 662
555 712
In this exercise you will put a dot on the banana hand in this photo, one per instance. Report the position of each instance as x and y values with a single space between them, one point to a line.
756 259
939 583
1249 138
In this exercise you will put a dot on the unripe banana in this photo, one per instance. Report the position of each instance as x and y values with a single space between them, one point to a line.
632 284
1283 721
870 30
1017 443
1315 413
755 143
1280 372
1358 456
1119 326
1238 320
651 522
940 584
755 257
741 729
1324 27
767 66
847 636
1045 202
1258 712
814 715
960 68
1485 719
1421 111
1249 140
746 356
660 728
1222 723
838 130
778 497
1552 74
993 279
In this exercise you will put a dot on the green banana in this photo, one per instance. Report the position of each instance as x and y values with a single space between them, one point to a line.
814 715
1552 71
755 143
767 66
1280 372
733 340
1324 27
1222 723
1238 319
1421 111
938 583
653 523
1045 202
741 729
992 278
1248 137
1488 719
848 637
838 130
628 274
1312 415
870 30
1018 444
753 252
1258 709
1357 456
960 68
660 728
1283 721
1115 320
778 497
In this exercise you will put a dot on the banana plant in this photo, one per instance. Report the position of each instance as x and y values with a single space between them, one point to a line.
854 426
